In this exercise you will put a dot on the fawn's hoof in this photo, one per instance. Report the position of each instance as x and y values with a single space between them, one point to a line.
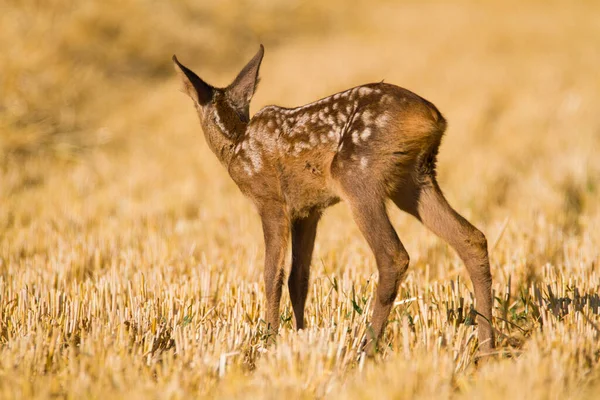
369 347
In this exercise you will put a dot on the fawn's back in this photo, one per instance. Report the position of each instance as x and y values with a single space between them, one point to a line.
378 132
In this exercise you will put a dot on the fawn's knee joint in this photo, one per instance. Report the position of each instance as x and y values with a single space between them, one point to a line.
399 268
475 246
476 257
392 270
402 262
477 240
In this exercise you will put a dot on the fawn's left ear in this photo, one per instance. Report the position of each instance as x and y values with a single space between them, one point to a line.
242 89
200 91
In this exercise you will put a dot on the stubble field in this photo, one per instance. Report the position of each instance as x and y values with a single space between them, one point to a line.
131 266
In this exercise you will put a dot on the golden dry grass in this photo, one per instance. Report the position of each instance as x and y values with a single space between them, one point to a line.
130 266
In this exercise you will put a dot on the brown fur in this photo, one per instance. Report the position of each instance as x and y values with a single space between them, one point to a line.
363 146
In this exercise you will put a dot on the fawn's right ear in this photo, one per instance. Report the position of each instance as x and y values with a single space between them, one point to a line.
199 91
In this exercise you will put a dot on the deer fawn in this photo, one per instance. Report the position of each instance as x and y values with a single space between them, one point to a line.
363 145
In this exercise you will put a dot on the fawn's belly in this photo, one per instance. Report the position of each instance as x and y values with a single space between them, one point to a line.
307 187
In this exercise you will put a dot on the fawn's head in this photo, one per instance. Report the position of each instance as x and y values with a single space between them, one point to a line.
225 109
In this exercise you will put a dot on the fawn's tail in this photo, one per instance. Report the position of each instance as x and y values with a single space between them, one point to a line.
427 160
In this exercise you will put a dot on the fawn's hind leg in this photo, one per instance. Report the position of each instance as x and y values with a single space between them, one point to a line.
427 203
304 231
392 259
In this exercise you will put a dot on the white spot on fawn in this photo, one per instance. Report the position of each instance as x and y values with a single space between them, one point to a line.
255 156
285 145
269 144
367 117
386 98
363 162
355 137
247 169
365 134
299 147
363 91
382 120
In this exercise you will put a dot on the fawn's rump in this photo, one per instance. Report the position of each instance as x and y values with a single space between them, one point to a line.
418 135
401 146
414 163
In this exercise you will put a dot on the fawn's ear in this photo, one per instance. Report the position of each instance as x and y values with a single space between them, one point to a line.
243 87
199 91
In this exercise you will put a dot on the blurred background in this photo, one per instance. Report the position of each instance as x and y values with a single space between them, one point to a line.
94 130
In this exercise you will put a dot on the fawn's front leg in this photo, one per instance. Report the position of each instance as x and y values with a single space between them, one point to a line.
304 231
276 229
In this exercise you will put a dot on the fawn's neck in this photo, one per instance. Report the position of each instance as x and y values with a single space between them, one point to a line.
223 131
